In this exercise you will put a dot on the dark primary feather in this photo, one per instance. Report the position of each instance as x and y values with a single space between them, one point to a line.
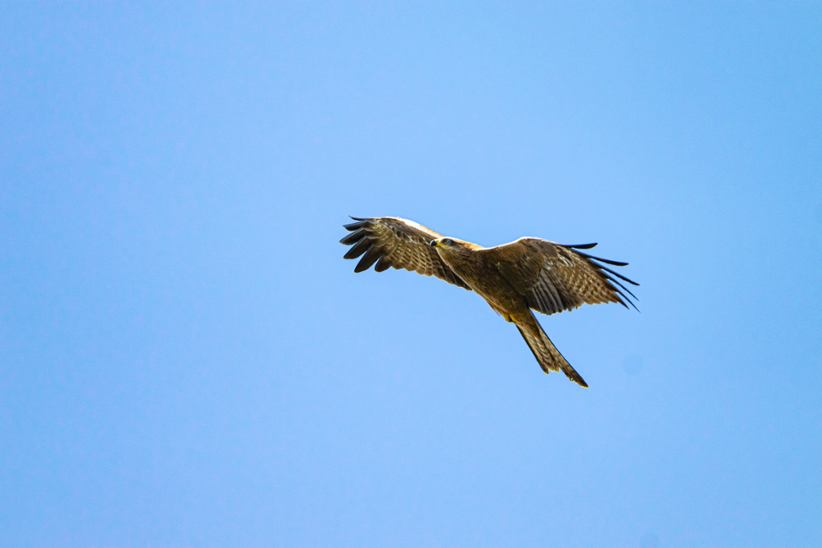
354 226
608 272
619 288
368 259
617 274
398 243
609 261
357 249
354 237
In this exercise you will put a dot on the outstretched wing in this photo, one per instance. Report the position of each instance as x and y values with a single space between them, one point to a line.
397 243
554 277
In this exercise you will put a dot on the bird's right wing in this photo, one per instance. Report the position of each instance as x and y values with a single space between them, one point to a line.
554 277
397 243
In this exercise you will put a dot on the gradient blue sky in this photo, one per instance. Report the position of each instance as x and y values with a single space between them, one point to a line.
185 359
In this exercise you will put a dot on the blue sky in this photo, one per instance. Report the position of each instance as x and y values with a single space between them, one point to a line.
185 358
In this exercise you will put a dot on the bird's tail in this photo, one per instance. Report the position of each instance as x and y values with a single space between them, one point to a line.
544 350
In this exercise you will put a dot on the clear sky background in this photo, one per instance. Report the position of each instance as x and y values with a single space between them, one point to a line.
186 359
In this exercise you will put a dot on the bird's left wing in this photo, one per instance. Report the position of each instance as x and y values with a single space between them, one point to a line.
397 243
554 277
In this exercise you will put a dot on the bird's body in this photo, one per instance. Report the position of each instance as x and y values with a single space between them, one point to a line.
514 278
482 276
485 278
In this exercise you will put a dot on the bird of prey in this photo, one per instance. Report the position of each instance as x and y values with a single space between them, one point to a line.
514 278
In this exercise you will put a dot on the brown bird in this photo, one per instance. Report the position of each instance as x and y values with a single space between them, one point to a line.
514 278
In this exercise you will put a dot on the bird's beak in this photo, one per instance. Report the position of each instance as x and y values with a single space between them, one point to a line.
433 243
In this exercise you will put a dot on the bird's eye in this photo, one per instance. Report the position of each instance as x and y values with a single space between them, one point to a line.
448 241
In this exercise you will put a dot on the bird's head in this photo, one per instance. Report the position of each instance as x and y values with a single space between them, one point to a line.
451 245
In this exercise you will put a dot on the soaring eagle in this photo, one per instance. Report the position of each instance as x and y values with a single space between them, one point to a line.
515 278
